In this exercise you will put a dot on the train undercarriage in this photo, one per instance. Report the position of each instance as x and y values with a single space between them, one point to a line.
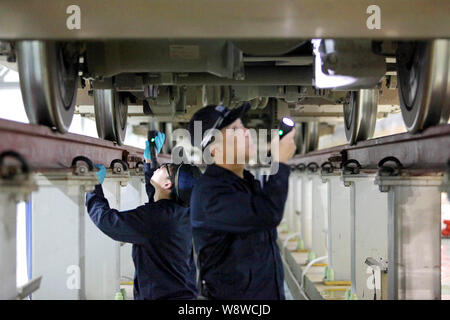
170 80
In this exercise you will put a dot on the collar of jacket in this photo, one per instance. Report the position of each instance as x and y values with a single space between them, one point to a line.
216 171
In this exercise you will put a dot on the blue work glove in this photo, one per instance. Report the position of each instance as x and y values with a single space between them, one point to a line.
101 173
159 141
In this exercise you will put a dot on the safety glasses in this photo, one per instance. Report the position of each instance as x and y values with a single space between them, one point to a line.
167 165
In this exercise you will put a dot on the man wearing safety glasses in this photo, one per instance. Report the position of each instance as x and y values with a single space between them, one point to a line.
160 230
233 218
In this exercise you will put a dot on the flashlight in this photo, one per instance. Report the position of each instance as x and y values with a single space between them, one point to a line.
151 135
286 125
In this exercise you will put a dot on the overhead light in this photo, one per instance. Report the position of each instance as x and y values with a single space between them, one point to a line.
326 81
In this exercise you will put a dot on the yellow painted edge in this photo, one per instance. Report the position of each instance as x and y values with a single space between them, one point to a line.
126 282
337 283
337 289
301 250
320 265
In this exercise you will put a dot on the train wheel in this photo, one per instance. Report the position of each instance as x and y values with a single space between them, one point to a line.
254 103
306 137
423 70
259 103
360 115
111 111
263 102
48 80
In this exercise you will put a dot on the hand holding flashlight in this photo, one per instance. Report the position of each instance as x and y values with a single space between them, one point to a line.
153 146
285 141
286 125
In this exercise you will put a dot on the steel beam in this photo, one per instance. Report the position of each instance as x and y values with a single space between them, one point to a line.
319 243
131 196
59 236
289 207
369 225
46 149
306 211
338 227
297 197
254 76
103 253
427 150
76 259
292 208
13 189
223 19
414 268
8 212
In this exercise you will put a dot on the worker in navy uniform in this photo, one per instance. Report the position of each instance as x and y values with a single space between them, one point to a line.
159 230
233 218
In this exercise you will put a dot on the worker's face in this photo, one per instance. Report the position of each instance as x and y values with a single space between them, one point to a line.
160 179
236 145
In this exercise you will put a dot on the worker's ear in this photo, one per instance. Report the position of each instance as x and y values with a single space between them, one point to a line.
217 153
216 146
167 185
212 149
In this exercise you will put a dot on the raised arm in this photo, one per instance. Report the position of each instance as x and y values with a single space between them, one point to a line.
158 143
148 186
240 212
126 226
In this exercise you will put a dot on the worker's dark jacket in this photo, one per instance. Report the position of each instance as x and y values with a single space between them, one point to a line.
234 224
162 243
